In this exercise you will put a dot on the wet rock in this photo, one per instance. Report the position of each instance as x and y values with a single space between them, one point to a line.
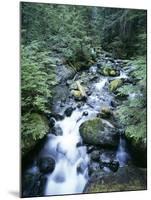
93 168
85 113
52 122
57 130
60 149
109 71
90 149
88 92
64 72
68 111
95 156
77 95
99 65
112 165
125 179
69 82
95 133
73 86
46 164
79 144
105 113
115 84
81 167
33 185
57 116
121 96
106 157
80 104
113 103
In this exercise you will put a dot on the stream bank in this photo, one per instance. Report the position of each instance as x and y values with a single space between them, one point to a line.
86 137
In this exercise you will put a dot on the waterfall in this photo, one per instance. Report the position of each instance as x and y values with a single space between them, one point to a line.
122 154
71 170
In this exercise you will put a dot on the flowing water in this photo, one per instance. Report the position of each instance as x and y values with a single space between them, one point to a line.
71 170
122 154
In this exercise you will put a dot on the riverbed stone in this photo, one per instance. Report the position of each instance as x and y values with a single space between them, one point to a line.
33 185
46 164
125 179
95 155
77 95
109 71
115 84
105 112
94 132
68 111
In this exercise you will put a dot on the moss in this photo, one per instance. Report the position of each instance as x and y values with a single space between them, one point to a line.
34 127
108 71
132 186
77 94
125 179
91 130
137 135
115 84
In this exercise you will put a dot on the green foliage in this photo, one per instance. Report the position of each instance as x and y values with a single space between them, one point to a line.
124 32
37 80
34 127
139 65
63 29
132 112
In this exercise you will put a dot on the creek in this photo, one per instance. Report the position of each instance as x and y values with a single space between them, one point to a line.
71 172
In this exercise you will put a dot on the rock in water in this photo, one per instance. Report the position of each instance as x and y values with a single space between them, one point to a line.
69 111
115 84
85 113
46 164
95 133
105 112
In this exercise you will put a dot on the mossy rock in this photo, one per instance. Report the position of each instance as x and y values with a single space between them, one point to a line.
113 72
105 113
77 94
115 84
35 128
125 179
109 71
95 133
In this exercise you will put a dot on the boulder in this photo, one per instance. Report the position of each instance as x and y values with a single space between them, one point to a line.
81 167
85 113
68 111
56 130
95 156
109 71
105 112
52 122
46 164
33 185
125 179
115 84
95 133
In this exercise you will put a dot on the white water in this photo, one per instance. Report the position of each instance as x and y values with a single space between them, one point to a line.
122 75
99 86
122 154
65 179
